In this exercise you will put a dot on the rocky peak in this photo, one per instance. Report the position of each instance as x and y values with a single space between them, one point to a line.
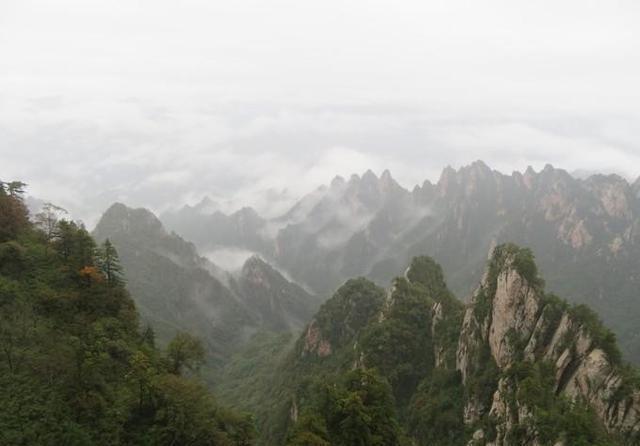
529 177
511 283
388 184
206 206
368 193
368 190
369 178
472 180
555 194
338 181
479 168
280 305
246 215
120 219
254 262
257 271
503 303
447 181
614 194
554 178
425 194
512 319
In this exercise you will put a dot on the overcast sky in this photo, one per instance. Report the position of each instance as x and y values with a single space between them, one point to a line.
157 103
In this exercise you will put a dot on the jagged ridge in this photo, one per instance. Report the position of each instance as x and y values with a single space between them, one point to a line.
585 233
522 366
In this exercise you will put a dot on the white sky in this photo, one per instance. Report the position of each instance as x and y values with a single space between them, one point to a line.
156 103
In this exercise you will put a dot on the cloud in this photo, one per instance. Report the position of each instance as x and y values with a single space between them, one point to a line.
229 259
158 105
164 164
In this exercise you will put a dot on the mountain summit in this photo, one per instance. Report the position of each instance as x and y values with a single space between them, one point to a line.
515 328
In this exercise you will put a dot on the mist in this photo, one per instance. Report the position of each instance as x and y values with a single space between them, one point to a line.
157 104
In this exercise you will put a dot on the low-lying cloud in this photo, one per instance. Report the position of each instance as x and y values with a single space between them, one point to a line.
85 168
229 259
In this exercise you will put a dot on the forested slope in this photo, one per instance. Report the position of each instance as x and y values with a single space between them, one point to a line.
75 367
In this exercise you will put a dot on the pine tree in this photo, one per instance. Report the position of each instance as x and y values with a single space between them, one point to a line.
109 263
16 188
13 212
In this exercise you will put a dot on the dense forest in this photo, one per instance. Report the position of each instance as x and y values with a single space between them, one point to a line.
76 367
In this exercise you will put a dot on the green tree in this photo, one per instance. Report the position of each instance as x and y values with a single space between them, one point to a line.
436 410
400 347
14 217
184 352
361 411
75 246
109 263
187 415
309 430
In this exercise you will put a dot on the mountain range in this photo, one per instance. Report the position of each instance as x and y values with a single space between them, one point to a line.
405 364
584 232
509 364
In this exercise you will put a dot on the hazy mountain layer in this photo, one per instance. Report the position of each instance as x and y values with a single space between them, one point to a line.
176 289
585 233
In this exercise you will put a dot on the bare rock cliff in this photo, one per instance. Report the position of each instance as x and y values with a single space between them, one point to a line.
512 321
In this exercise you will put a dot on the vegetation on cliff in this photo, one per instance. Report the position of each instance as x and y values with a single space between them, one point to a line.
446 384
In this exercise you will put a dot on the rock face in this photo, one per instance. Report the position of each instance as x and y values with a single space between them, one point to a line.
514 310
314 343
340 320
512 319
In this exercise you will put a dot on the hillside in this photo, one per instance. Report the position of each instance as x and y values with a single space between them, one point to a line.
75 367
